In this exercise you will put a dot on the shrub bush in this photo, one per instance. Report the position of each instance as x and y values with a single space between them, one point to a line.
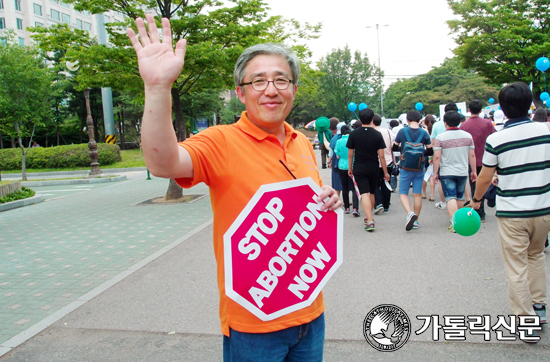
59 157
18 195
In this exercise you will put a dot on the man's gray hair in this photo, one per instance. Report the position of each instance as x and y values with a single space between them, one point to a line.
266 49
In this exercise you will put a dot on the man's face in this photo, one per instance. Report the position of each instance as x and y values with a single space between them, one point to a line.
270 107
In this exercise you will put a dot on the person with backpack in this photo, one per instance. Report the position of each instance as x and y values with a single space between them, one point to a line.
415 144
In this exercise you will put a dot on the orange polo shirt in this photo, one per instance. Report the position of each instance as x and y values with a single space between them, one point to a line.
234 161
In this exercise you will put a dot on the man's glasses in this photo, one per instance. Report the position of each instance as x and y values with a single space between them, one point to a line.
262 84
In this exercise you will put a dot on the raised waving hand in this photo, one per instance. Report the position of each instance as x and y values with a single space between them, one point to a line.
159 64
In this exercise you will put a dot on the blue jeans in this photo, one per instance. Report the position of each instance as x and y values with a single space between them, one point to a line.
453 187
295 344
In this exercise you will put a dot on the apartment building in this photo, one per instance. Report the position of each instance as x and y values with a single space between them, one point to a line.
22 14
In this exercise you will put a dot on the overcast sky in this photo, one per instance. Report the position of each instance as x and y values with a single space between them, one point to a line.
416 39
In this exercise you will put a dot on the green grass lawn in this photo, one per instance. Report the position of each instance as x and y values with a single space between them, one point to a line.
130 158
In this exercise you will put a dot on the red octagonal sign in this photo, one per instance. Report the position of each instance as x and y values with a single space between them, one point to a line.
282 249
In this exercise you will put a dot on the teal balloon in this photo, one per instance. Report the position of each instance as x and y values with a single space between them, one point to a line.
491 100
352 107
466 221
544 96
419 106
543 64
362 106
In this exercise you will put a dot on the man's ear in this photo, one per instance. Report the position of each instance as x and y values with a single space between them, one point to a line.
240 93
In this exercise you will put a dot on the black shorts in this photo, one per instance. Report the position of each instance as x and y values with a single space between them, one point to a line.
366 179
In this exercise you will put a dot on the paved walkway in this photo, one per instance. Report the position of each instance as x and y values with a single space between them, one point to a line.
55 252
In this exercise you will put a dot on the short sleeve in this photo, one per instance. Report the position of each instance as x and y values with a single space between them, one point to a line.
208 151
399 138
490 157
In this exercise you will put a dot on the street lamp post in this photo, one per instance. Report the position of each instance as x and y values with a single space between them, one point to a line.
377 26
92 145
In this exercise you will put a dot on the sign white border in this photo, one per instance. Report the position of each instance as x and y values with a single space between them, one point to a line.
239 220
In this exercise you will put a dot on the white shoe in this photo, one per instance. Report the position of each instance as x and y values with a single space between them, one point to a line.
441 205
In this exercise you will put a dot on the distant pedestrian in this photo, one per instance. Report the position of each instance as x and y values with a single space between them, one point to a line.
333 160
540 115
453 152
437 128
366 145
382 195
342 153
479 128
521 153
412 141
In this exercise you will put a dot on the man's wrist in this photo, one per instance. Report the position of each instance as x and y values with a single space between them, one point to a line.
474 199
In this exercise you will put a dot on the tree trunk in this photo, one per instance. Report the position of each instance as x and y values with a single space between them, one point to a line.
12 142
179 121
174 191
121 131
1 141
23 153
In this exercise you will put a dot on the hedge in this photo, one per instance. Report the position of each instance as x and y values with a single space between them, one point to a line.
58 157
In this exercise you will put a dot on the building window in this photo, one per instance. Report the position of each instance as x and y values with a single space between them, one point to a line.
65 5
3 41
2 23
18 5
21 41
65 18
54 14
87 26
1 4
86 13
55 1
19 23
36 23
79 24
37 9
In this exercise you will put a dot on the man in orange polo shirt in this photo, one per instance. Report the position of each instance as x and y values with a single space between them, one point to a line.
234 161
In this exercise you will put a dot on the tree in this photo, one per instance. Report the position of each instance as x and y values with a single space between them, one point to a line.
25 94
347 79
447 83
216 32
502 39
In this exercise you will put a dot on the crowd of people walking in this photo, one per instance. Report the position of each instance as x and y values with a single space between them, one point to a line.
468 159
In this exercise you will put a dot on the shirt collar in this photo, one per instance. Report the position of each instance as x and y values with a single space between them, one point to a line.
514 121
246 125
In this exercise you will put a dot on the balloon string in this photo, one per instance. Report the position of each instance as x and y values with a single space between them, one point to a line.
470 212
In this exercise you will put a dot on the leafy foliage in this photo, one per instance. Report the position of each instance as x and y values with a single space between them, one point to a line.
18 195
446 83
347 79
502 39
59 157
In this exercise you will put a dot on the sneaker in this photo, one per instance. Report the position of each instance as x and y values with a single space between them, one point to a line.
386 211
346 211
378 209
369 226
540 309
416 225
482 218
451 228
356 213
441 205
411 218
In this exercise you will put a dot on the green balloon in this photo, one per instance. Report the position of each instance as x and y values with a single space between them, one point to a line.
466 221
322 124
